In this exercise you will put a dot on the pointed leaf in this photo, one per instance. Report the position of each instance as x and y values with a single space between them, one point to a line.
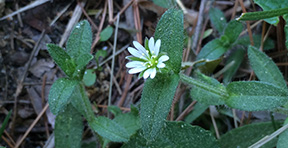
233 30
106 33
82 103
212 50
218 19
272 5
170 31
247 135
205 89
265 69
282 141
68 128
237 56
255 96
79 44
109 129
60 93
178 135
62 59
156 101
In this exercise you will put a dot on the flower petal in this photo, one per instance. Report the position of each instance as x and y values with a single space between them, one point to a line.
140 48
134 52
147 73
135 64
163 58
136 70
157 47
151 45
161 65
153 73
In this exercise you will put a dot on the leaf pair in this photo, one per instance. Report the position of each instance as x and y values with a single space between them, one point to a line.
77 56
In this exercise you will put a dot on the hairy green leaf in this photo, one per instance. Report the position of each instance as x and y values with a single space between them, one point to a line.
89 77
62 59
206 89
68 128
198 109
265 69
267 5
60 93
178 135
247 135
255 95
233 30
237 56
109 129
282 142
262 14
79 44
170 31
106 33
156 101
165 4
130 121
212 50
82 103
218 19
245 41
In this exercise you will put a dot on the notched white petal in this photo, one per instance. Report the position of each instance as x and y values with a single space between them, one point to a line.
153 73
161 65
139 46
163 58
135 64
147 73
134 52
136 70
151 44
157 47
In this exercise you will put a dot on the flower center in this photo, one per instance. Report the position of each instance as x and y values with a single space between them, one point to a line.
152 62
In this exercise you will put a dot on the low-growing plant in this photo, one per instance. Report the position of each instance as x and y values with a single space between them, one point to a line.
159 61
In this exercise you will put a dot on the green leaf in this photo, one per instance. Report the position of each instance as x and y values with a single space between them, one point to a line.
156 101
176 135
218 19
106 33
237 56
205 89
89 77
267 5
82 103
245 41
68 128
100 53
212 50
233 30
130 121
62 59
282 141
255 96
198 109
60 93
265 69
109 129
79 44
262 14
247 135
170 31
4 123
165 3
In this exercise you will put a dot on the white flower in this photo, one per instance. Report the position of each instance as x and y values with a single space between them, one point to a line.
146 60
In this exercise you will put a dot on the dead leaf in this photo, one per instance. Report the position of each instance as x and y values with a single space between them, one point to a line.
40 67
